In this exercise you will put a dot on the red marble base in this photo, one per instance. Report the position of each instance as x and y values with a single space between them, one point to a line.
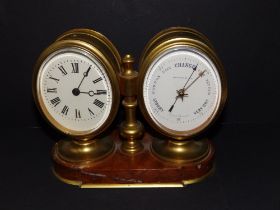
140 170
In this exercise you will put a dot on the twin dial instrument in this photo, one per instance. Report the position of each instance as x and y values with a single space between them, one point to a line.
181 90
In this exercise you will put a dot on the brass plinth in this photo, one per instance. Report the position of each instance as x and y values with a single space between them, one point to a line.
84 152
181 152
131 130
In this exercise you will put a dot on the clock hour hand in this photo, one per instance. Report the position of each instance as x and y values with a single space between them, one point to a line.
92 93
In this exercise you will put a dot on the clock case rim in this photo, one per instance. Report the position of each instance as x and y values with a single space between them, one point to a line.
172 38
99 47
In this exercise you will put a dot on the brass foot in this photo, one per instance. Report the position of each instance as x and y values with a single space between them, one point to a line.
181 152
80 151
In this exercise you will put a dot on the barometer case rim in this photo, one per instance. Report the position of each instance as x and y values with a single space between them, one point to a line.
163 46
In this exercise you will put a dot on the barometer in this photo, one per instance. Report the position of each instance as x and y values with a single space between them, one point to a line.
182 90
76 89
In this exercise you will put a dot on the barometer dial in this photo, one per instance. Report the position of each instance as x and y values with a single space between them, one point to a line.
181 90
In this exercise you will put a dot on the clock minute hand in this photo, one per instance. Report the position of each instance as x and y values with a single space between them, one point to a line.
85 75
199 75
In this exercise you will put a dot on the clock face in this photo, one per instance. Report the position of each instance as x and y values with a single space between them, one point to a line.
182 90
75 90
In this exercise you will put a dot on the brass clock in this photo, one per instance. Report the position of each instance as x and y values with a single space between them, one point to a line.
76 89
182 90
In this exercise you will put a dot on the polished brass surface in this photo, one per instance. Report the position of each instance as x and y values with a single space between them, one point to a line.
97 40
84 152
181 152
169 39
131 130
81 148
85 149
180 148
95 45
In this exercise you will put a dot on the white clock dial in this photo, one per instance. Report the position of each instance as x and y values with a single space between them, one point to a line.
75 90
182 89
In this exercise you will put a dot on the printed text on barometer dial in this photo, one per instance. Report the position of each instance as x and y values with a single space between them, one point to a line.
180 92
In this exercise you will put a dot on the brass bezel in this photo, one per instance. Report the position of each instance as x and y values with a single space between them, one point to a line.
93 44
170 39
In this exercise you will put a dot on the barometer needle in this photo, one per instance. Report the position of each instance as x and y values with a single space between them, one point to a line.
181 93
199 75
194 69
85 75
172 106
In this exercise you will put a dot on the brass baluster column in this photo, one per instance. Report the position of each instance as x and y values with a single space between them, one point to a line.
131 130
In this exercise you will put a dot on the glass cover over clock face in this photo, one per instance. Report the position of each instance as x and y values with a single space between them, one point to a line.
181 90
75 90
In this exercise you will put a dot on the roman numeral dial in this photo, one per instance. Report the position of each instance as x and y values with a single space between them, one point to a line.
76 91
